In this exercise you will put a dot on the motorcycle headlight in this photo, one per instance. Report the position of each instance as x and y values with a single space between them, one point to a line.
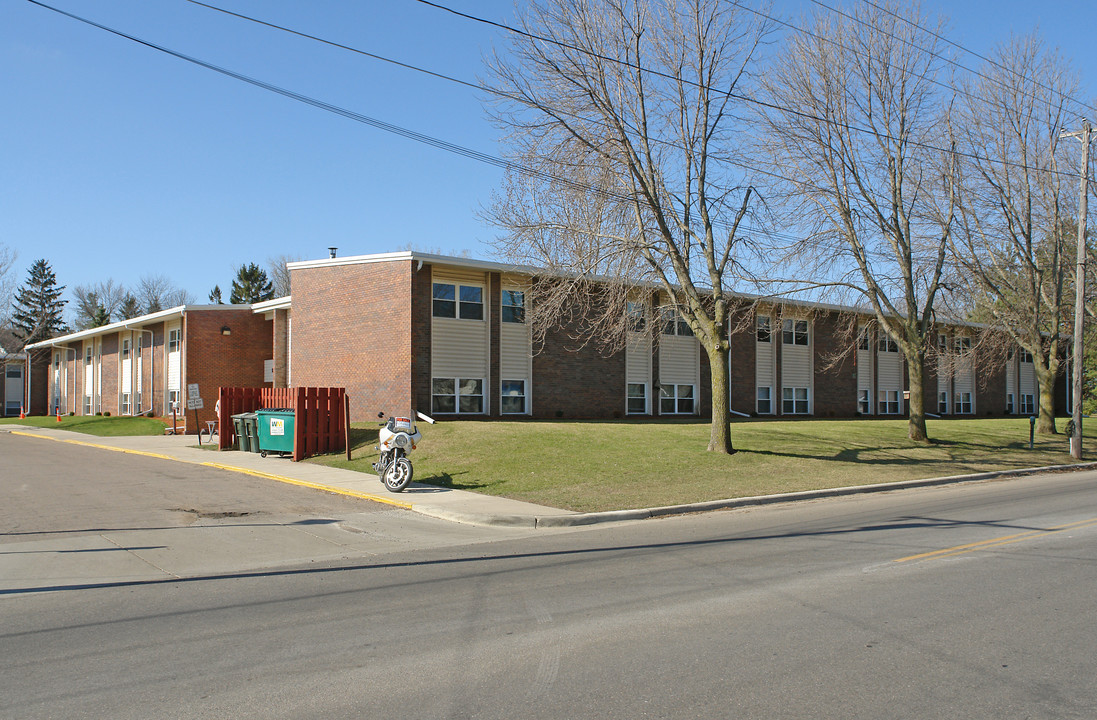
401 440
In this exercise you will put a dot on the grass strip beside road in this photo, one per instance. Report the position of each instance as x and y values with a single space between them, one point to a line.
597 466
98 425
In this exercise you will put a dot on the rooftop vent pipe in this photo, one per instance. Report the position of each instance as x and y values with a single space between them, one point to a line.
331 251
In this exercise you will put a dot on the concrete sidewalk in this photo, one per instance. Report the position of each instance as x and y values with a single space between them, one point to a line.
454 505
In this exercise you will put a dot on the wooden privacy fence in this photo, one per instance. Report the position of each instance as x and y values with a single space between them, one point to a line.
319 415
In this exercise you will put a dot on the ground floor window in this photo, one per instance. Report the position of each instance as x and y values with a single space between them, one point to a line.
512 400
675 399
637 401
12 407
889 402
963 403
864 404
1028 404
1009 403
173 402
765 400
942 402
794 401
453 395
87 404
126 409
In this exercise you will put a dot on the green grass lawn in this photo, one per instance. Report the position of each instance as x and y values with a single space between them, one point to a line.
93 424
592 466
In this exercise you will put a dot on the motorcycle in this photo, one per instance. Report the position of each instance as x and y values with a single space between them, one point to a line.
398 437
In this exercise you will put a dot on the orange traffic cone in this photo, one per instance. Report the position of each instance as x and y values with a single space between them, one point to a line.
21 413
58 415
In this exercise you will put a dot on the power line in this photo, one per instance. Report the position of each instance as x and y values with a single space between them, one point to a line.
367 120
755 101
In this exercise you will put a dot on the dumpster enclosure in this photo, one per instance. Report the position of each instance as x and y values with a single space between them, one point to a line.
319 418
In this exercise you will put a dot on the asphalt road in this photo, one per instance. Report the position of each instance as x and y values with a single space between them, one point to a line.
973 601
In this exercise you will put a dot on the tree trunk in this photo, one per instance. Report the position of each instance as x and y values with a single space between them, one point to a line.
720 439
917 405
1045 420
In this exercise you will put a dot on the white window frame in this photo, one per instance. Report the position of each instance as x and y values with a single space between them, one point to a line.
629 397
768 400
888 402
637 315
887 344
458 396
795 401
1010 407
1028 404
503 395
763 327
673 323
864 401
175 339
672 392
964 405
795 332
517 313
942 402
459 303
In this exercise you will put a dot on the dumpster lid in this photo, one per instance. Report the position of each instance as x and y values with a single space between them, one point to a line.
275 410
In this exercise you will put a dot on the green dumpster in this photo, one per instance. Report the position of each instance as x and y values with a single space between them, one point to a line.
251 433
275 431
243 442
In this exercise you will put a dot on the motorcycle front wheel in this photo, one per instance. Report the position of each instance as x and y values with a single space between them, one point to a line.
397 475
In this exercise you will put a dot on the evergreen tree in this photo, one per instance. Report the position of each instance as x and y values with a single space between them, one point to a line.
251 285
215 295
129 308
100 318
38 305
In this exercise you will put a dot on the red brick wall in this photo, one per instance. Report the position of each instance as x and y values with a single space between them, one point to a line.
214 360
352 329
421 298
111 349
835 367
743 360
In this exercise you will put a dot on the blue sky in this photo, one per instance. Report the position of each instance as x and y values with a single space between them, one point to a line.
119 161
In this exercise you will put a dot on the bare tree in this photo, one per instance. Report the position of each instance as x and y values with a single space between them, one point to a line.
108 294
1015 241
858 126
279 274
620 116
158 292
7 284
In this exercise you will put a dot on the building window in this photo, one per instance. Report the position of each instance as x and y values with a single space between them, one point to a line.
863 405
889 402
942 402
674 324
765 400
863 339
1026 356
513 308
762 329
173 401
794 401
512 400
636 313
675 399
472 303
452 395
173 340
13 372
126 403
445 300
963 403
1028 404
963 345
887 344
458 301
795 332
637 400
1009 403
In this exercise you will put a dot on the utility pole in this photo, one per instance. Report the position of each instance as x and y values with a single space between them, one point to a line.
1079 291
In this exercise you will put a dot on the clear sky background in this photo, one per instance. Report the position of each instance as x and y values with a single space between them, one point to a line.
118 161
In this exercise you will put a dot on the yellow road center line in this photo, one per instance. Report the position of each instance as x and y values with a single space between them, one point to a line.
998 541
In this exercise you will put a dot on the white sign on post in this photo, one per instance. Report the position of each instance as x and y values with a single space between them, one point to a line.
194 400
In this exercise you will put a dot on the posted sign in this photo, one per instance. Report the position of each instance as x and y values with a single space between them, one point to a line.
194 400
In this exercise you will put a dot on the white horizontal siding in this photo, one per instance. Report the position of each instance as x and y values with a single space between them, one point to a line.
459 348
638 358
864 370
515 351
679 360
889 369
458 275
796 368
764 364
1011 378
1028 379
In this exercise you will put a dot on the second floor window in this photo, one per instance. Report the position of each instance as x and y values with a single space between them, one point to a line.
513 308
